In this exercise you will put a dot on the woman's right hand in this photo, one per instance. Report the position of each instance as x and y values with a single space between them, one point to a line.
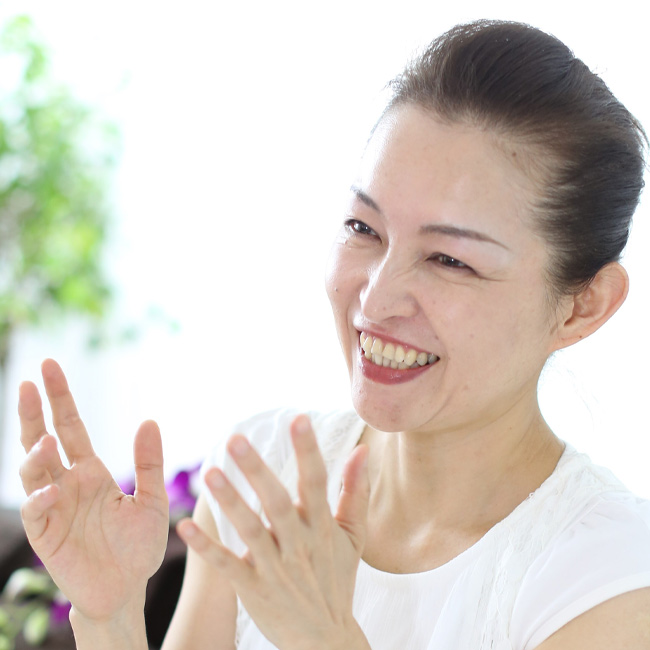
99 545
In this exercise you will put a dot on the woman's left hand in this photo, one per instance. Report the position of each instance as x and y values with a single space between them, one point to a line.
296 580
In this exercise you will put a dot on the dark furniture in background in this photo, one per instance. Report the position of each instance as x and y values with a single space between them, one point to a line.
162 592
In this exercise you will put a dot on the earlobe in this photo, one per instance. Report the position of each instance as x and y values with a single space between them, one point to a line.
594 306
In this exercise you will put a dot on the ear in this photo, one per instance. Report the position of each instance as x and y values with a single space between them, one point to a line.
585 312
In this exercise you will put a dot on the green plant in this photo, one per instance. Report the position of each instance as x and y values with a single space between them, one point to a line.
29 604
56 156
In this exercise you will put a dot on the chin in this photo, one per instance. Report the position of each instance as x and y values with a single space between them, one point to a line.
383 415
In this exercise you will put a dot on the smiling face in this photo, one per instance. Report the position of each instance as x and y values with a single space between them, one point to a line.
437 262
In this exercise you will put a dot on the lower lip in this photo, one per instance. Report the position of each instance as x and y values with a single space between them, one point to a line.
388 375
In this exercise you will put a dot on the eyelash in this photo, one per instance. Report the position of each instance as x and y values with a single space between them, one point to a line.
354 224
447 261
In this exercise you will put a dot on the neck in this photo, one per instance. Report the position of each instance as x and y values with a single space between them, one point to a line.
458 484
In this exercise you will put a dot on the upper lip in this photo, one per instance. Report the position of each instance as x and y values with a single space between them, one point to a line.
387 338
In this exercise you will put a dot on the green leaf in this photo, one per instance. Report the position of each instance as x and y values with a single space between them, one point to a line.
6 643
56 160
36 626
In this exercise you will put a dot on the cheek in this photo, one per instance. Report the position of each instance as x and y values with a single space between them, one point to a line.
342 291
520 337
332 271
342 278
496 329
336 287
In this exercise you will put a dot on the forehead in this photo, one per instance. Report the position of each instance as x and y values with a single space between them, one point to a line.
418 168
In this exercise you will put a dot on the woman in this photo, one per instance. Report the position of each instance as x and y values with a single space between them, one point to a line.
483 234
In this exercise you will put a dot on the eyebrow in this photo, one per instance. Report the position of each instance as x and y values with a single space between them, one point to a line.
432 228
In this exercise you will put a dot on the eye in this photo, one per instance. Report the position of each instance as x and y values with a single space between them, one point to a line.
359 228
448 261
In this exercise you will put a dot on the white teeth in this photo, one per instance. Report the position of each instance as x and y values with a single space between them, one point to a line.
377 347
393 356
389 351
410 357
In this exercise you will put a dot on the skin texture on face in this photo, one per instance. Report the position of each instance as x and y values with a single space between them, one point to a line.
437 252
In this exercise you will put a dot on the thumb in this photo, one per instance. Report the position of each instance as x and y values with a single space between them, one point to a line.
352 510
148 459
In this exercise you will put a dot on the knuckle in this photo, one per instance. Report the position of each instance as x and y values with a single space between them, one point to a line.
316 479
219 559
27 471
68 420
281 506
27 512
253 529
29 441
323 524
24 510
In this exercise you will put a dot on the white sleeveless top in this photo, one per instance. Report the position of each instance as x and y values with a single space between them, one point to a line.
579 540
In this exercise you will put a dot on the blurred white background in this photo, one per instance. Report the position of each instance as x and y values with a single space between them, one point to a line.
242 124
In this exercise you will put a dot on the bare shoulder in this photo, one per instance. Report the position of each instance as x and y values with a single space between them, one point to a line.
621 622
207 608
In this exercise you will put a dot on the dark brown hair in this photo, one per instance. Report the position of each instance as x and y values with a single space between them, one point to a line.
528 86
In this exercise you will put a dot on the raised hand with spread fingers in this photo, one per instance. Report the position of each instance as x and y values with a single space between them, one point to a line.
296 580
100 545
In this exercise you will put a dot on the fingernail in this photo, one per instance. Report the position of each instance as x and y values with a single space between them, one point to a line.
189 530
239 446
216 479
302 425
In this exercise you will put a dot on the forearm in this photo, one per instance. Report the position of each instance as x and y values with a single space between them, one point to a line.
124 632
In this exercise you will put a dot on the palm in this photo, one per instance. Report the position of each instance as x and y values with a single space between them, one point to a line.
99 545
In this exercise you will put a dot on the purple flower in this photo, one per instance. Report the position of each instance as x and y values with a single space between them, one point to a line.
179 490
127 486
60 610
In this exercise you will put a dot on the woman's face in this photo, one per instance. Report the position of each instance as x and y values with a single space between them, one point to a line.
436 260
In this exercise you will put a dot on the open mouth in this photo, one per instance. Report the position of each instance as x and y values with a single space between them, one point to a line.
391 355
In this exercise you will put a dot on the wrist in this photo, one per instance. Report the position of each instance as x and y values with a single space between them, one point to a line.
124 630
351 638
355 640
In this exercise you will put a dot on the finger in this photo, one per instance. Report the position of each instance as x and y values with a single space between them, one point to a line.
30 411
352 510
236 569
312 473
42 465
273 496
34 511
69 427
247 523
148 460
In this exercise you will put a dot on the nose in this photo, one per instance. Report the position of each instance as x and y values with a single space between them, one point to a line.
388 292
